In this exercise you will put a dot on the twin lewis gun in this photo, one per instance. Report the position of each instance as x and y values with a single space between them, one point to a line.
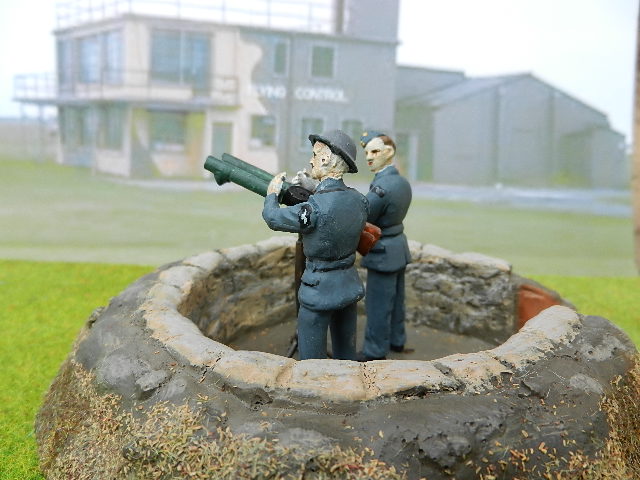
232 169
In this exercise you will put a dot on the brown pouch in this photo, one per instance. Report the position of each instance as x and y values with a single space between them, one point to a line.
368 238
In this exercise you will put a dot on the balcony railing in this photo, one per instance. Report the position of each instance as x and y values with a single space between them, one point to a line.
304 15
35 88
126 85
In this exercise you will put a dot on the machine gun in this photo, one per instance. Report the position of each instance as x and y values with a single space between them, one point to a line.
232 169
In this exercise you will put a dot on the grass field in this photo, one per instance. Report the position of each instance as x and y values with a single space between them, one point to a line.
54 213
42 307
48 212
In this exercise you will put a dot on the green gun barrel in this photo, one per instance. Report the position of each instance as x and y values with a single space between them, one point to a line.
232 169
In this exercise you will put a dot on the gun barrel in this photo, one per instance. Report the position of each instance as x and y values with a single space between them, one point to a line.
236 162
232 169
225 171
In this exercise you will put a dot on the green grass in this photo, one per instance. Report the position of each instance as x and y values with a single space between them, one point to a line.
42 308
49 212
616 299
66 214
534 242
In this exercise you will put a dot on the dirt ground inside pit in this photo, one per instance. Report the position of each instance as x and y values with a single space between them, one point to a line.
427 343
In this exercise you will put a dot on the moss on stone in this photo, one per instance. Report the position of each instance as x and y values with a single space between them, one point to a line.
85 435
618 458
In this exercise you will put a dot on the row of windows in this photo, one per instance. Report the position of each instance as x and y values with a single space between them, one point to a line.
263 130
180 57
176 57
168 130
92 59
322 60
82 126
184 58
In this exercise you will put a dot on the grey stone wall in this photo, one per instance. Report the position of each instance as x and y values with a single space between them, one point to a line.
243 288
252 286
467 293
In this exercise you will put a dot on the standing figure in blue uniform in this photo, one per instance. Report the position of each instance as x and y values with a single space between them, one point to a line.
330 223
389 198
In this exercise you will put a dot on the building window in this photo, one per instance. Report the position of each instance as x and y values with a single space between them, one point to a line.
403 147
168 131
65 62
263 131
99 59
111 123
180 57
76 127
112 57
87 127
322 62
354 129
165 56
280 58
89 59
309 126
195 59
71 127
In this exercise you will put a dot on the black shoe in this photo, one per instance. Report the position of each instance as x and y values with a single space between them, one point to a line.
361 357
401 349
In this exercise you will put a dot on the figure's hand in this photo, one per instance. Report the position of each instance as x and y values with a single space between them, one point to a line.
275 185
303 179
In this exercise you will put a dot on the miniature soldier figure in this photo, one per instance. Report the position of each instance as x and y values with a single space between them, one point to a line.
389 197
330 223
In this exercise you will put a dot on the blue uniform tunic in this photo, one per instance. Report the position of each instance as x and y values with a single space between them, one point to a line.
330 223
389 198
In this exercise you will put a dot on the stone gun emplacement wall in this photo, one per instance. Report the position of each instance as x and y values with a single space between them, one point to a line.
164 340
231 291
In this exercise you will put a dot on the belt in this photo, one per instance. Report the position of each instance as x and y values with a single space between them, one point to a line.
322 265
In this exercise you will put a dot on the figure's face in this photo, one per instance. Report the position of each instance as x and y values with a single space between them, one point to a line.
378 154
319 160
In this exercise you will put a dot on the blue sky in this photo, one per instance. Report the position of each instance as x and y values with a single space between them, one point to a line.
584 47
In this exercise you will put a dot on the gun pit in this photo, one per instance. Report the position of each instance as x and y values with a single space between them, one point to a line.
529 389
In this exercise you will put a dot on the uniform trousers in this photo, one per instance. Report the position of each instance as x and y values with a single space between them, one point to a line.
384 305
312 332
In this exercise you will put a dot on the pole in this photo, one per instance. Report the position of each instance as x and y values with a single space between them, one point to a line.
635 176
299 270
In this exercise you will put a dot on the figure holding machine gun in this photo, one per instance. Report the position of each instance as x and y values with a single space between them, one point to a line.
330 219
330 222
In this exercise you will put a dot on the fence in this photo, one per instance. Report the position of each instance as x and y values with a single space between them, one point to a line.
305 15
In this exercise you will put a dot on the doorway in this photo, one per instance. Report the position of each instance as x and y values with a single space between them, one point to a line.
221 138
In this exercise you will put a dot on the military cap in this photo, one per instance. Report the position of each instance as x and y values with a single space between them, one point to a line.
341 144
368 136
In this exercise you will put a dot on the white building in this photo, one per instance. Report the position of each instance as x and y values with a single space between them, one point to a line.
147 87
151 87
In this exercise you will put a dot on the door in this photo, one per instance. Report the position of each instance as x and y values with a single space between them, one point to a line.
221 138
